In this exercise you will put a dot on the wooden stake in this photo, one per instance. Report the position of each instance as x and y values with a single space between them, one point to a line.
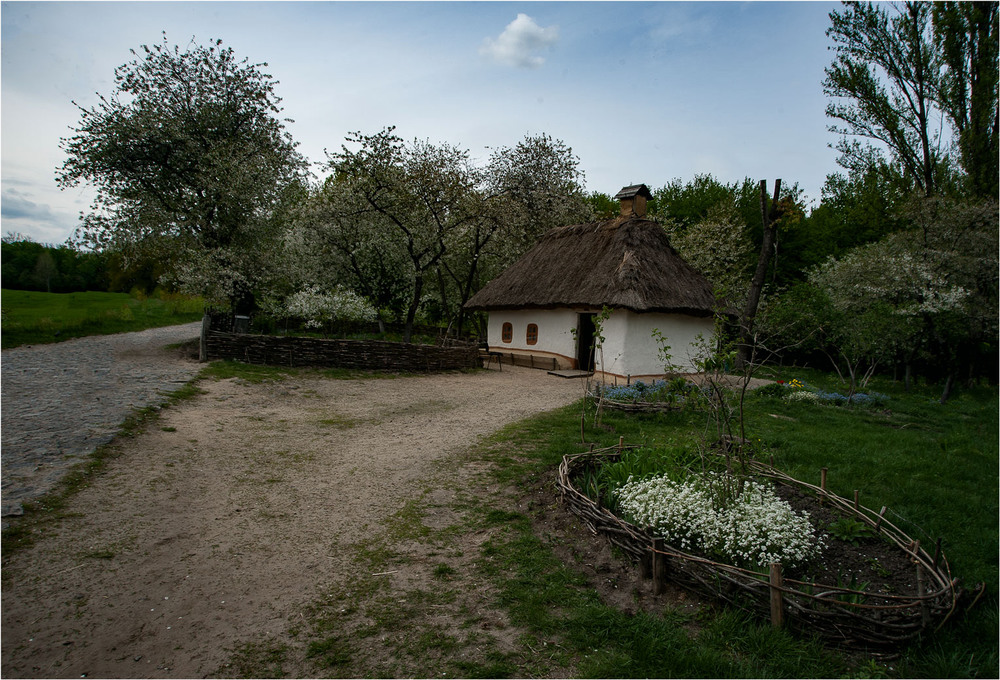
646 567
878 524
659 568
822 484
777 603
925 614
621 445
856 494
937 553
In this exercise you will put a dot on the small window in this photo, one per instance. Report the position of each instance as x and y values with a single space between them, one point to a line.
532 336
508 332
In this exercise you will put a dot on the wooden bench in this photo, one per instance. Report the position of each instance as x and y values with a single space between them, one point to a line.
486 355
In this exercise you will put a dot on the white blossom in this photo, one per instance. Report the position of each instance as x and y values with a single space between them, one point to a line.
752 527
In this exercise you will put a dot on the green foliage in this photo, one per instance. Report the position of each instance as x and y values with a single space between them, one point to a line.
902 67
37 318
603 206
34 266
849 530
966 35
881 86
418 227
771 391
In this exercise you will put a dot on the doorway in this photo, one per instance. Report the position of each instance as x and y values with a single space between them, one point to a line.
585 341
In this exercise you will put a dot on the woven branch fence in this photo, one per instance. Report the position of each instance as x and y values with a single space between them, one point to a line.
838 615
636 406
322 352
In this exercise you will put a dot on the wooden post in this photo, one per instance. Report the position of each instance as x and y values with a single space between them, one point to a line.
621 445
925 614
206 324
646 567
856 494
659 568
777 603
937 553
822 479
878 524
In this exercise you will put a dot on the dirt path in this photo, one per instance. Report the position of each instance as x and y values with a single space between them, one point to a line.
219 526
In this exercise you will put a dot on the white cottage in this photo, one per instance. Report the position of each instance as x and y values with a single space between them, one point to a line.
543 307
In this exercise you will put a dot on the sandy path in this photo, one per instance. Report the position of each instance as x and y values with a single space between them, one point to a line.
226 518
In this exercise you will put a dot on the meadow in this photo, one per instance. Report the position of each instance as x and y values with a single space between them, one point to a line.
34 318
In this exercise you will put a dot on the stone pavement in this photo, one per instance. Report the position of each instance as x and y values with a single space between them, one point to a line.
62 401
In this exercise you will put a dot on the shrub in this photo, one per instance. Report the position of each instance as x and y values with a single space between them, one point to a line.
751 527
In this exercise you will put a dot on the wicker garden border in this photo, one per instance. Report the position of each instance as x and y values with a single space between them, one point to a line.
637 406
837 615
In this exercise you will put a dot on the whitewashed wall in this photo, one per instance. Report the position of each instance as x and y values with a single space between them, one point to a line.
555 334
631 350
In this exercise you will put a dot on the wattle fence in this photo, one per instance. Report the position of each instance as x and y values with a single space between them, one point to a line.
282 350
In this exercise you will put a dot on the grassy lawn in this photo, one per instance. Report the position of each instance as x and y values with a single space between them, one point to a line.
934 466
32 318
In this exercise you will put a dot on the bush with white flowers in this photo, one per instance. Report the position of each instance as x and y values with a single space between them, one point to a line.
750 528
317 306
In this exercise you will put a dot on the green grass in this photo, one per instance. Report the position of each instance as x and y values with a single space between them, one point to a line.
32 318
933 465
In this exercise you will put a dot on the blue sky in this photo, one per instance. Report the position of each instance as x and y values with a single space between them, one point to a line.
642 92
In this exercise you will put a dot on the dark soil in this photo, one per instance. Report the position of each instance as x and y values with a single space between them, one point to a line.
871 564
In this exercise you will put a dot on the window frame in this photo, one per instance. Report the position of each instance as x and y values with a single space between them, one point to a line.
529 337
507 332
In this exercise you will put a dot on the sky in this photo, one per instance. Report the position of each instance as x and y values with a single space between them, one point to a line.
642 92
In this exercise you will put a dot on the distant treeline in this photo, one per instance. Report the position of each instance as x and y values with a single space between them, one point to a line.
28 265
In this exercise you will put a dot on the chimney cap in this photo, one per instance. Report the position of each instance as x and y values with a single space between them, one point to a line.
633 191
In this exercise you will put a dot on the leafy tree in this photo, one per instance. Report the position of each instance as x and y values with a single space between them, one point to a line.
526 190
967 36
686 204
719 247
420 192
925 292
882 83
28 265
332 245
189 157
603 206
45 270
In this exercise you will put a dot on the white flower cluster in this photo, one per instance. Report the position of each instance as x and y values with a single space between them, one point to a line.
754 528
803 395
316 306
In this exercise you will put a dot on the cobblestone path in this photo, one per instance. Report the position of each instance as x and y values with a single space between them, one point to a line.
61 401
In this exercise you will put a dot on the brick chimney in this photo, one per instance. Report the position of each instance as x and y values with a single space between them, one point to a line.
633 200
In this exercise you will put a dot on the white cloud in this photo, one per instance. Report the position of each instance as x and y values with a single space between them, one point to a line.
517 45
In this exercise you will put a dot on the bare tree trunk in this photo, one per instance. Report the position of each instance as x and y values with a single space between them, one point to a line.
768 219
411 313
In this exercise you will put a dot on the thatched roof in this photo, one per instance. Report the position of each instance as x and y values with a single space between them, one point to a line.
622 263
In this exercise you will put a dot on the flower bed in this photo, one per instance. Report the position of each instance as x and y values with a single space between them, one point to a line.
794 390
839 613
658 396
